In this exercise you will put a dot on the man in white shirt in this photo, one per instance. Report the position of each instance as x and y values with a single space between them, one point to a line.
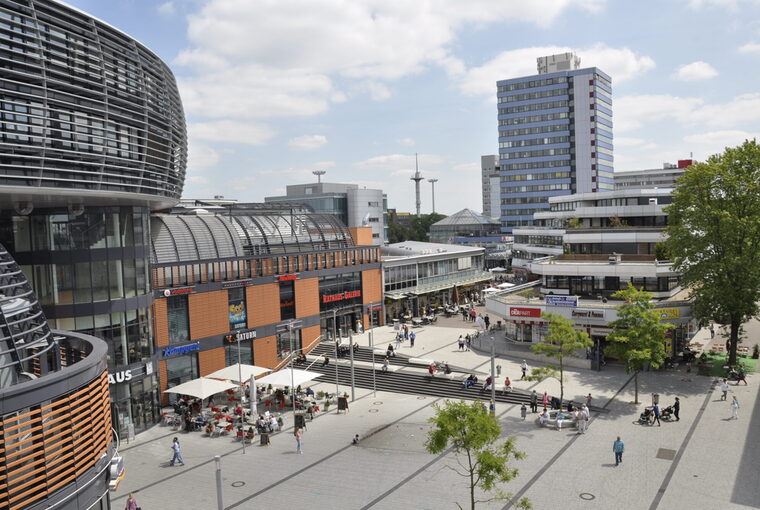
724 389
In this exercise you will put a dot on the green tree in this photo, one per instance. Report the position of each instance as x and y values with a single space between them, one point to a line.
638 335
563 340
714 236
475 437
398 233
421 225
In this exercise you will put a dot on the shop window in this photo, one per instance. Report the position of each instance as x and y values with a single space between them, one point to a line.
237 309
284 345
245 348
178 318
181 369
287 300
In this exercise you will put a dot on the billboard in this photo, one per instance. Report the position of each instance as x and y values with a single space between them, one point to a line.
562 301
518 311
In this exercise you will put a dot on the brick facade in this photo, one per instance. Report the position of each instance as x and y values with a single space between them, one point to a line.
160 323
310 337
265 351
307 297
211 361
209 314
263 304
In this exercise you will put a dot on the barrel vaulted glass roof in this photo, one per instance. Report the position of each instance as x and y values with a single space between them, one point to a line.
243 231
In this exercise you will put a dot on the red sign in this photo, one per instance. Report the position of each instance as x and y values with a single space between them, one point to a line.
287 277
515 311
176 292
340 297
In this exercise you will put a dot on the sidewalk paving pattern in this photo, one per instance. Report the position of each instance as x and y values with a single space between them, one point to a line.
704 461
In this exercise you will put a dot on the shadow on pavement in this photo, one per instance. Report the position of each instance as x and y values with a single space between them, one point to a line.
746 489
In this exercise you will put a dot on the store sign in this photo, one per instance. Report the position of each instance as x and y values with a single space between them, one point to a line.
287 277
240 336
183 349
374 308
516 311
238 283
668 313
341 296
177 292
562 301
120 377
600 331
587 314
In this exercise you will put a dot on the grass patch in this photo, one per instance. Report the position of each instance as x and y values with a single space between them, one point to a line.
716 362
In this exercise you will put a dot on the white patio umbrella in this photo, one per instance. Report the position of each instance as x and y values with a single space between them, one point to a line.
490 290
505 285
283 378
237 371
497 269
201 387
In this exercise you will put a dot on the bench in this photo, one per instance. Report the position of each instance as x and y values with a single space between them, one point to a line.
568 422
420 361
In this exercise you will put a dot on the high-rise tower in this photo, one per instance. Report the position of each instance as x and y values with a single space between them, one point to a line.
417 178
555 136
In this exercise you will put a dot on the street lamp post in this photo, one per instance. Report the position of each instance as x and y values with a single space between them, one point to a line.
292 376
240 382
335 341
351 354
372 349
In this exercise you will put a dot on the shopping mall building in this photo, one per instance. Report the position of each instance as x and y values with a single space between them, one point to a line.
232 280
92 140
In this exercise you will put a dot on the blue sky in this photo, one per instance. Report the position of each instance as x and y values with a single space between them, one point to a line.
274 89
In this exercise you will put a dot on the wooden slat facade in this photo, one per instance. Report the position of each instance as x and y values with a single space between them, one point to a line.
47 447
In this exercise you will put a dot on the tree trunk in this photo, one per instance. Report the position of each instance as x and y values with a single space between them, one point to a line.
735 325
561 383
636 386
472 480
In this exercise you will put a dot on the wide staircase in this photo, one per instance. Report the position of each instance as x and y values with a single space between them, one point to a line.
406 377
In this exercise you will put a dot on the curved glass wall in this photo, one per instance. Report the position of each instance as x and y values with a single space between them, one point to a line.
86 107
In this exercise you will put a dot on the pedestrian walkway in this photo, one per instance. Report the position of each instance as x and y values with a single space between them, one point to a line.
703 461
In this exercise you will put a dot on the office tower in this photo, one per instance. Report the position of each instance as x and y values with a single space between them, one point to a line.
555 136
490 185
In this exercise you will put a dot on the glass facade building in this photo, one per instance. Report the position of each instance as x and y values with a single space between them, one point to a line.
92 139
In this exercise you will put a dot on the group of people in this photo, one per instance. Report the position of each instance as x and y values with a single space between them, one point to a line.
465 342
405 334
734 400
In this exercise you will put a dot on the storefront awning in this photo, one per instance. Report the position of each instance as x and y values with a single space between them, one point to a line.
445 285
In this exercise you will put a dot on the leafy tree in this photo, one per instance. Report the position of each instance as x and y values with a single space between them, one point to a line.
421 225
563 340
398 233
474 435
714 235
638 335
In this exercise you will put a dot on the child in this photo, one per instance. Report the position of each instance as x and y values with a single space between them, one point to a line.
523 411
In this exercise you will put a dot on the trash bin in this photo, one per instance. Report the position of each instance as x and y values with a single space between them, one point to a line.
498 370
300 420
264 439
396 325
655 399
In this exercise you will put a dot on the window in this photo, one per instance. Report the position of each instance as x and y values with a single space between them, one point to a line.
287 300
181 369
178 318
284 345
237 311
246 353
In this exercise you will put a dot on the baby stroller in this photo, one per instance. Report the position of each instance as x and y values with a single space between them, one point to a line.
647 416
667 414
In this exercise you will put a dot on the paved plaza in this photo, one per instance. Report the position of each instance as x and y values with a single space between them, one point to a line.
704 461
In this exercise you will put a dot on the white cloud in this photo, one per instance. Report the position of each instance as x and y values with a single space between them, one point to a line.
750 48
307 142
231 131
200 157
406 141
695 71
632 112
739 110
261 58
719 4
714 142
400 163
166 8
620 63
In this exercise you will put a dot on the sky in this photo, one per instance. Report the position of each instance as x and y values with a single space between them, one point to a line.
274 89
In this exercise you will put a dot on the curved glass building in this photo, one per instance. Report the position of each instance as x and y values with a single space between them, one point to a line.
92 139
55 417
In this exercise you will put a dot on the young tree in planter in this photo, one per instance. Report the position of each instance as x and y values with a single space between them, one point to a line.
563 340
714 237
475 437
638 335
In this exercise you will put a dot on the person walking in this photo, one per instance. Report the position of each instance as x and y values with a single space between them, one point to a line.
618 447
131 503
588 399
724 389
386 362
734 408
176 453
545 400
677 409
656 410
534 402
298 435
461 343
468 342
524 368
412 336
487 320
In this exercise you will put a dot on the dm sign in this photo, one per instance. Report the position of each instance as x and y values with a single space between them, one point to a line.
562 301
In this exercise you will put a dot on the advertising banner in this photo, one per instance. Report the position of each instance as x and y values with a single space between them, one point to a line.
562 301
517 311
237 314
